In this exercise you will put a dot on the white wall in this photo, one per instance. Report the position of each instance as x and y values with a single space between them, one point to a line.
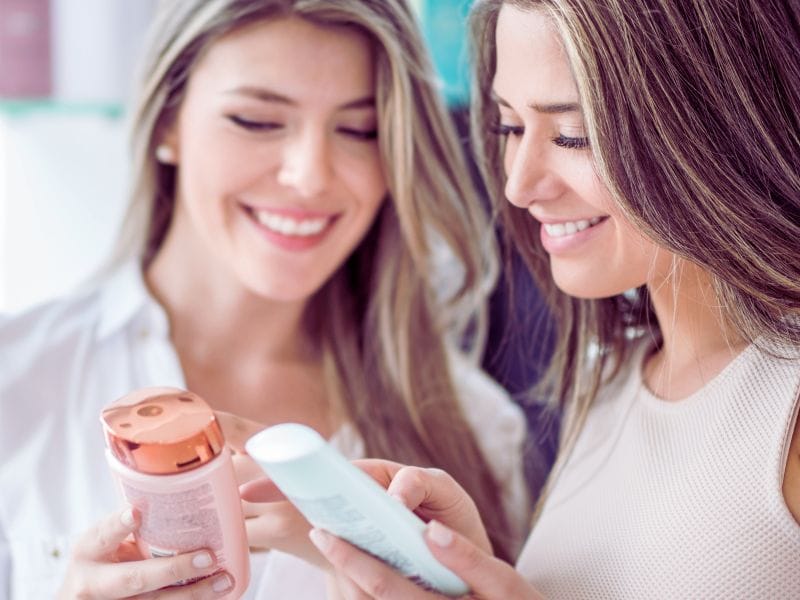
63 167
62 192
94 45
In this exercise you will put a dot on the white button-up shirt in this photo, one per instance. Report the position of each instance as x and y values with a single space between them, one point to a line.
61 363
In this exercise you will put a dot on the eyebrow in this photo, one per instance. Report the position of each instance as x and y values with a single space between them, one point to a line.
266 95
548 109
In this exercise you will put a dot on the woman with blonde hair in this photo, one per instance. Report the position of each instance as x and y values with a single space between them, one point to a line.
650 152
303 244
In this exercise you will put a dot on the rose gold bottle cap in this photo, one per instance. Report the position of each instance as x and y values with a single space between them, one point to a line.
162 431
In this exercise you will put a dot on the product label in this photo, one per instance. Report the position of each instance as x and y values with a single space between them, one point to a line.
177 522
334 514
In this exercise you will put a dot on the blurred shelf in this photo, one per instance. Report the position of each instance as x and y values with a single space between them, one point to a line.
33 106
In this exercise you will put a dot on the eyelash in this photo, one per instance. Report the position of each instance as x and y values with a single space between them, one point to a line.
258 126
253 125
562 141
363 136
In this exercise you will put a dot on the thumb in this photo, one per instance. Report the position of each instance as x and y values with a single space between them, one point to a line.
488 577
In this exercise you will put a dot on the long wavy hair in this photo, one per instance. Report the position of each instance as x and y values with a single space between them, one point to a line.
692 109
385 322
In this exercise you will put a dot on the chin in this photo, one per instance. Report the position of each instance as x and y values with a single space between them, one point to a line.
587 288
278 283
282 293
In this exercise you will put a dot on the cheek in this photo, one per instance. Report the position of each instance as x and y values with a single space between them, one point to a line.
507 151
629 235
216 175
637 256
218 160
646 255
367 182
593 190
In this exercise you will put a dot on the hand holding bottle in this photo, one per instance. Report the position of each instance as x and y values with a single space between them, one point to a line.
410 485
270 520
360 576
433 494
106 563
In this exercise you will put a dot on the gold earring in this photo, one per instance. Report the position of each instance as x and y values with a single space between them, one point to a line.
165 154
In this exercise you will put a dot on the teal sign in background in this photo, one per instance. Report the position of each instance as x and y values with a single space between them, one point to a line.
444 24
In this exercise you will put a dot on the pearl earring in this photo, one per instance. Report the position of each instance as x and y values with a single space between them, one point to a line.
165 154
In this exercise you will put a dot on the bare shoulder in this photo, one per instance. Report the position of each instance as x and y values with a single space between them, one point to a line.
791 478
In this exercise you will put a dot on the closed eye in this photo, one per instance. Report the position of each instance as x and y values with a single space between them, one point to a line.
574 143
507 130
254 125
364 135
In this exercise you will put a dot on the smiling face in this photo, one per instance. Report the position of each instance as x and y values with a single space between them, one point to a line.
275 144
594 252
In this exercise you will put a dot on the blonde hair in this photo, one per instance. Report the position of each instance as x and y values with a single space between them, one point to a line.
379 320
692 110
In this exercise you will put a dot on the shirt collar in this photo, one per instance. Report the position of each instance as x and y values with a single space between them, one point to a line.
124 297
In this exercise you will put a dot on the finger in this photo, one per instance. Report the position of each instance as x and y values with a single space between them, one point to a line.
211 587
252 510
382 471
101 541
488 577
434 489
338 587
276 522
434 494
121 580
373 577
245 468
286 530
237 430
349 590
127 551
260 490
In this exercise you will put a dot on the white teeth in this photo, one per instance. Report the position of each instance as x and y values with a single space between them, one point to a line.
569 227
289 226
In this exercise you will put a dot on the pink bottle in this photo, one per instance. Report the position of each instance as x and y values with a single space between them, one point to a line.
166 449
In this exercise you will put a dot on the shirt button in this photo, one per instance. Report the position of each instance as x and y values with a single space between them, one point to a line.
55 550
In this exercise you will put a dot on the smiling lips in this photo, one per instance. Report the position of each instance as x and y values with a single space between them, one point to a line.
290 225
291 229
567 237
557 230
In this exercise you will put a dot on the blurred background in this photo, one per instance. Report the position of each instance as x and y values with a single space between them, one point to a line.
66 67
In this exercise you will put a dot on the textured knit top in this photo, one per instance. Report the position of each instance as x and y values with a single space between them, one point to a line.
676 499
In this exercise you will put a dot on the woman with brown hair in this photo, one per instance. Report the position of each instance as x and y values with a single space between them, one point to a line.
303 244
650 151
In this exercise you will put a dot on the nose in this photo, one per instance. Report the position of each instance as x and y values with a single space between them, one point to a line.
529 176
305 165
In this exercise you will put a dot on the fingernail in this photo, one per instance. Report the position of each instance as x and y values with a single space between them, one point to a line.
127 518
321 539
222 583
202 560
439 534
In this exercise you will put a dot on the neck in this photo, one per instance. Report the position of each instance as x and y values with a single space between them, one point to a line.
697 342
215 320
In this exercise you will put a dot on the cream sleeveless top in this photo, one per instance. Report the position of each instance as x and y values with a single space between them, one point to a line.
676 499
